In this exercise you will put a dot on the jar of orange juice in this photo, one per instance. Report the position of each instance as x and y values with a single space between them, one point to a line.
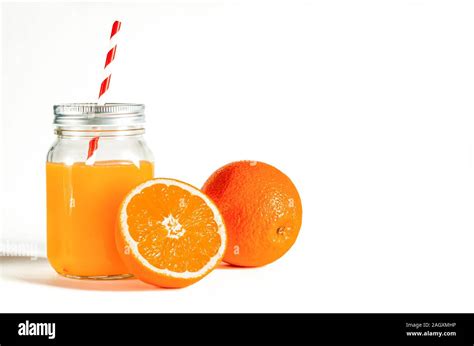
99 155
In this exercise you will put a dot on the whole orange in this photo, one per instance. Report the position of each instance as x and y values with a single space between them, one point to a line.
261 209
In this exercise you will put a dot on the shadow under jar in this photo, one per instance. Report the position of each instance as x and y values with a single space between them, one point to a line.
100 154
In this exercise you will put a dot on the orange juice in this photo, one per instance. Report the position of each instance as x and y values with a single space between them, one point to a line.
82 205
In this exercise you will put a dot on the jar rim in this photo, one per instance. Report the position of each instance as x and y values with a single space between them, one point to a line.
93 114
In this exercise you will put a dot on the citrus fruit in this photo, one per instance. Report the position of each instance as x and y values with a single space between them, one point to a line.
169 233
261 209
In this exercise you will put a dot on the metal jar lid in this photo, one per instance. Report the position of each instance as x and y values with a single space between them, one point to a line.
94 115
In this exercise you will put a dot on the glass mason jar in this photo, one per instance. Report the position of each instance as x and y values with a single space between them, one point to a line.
99 155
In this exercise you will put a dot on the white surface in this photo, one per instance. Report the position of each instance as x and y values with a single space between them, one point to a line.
366 105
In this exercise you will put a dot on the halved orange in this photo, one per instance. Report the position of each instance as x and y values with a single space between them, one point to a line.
169 233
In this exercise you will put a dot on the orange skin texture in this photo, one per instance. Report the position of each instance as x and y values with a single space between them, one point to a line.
261 208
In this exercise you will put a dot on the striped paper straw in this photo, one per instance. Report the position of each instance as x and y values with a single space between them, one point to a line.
104 86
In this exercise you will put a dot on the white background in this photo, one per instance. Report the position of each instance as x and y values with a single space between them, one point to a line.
366 105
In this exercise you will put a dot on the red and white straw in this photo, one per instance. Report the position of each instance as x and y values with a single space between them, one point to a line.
104 86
